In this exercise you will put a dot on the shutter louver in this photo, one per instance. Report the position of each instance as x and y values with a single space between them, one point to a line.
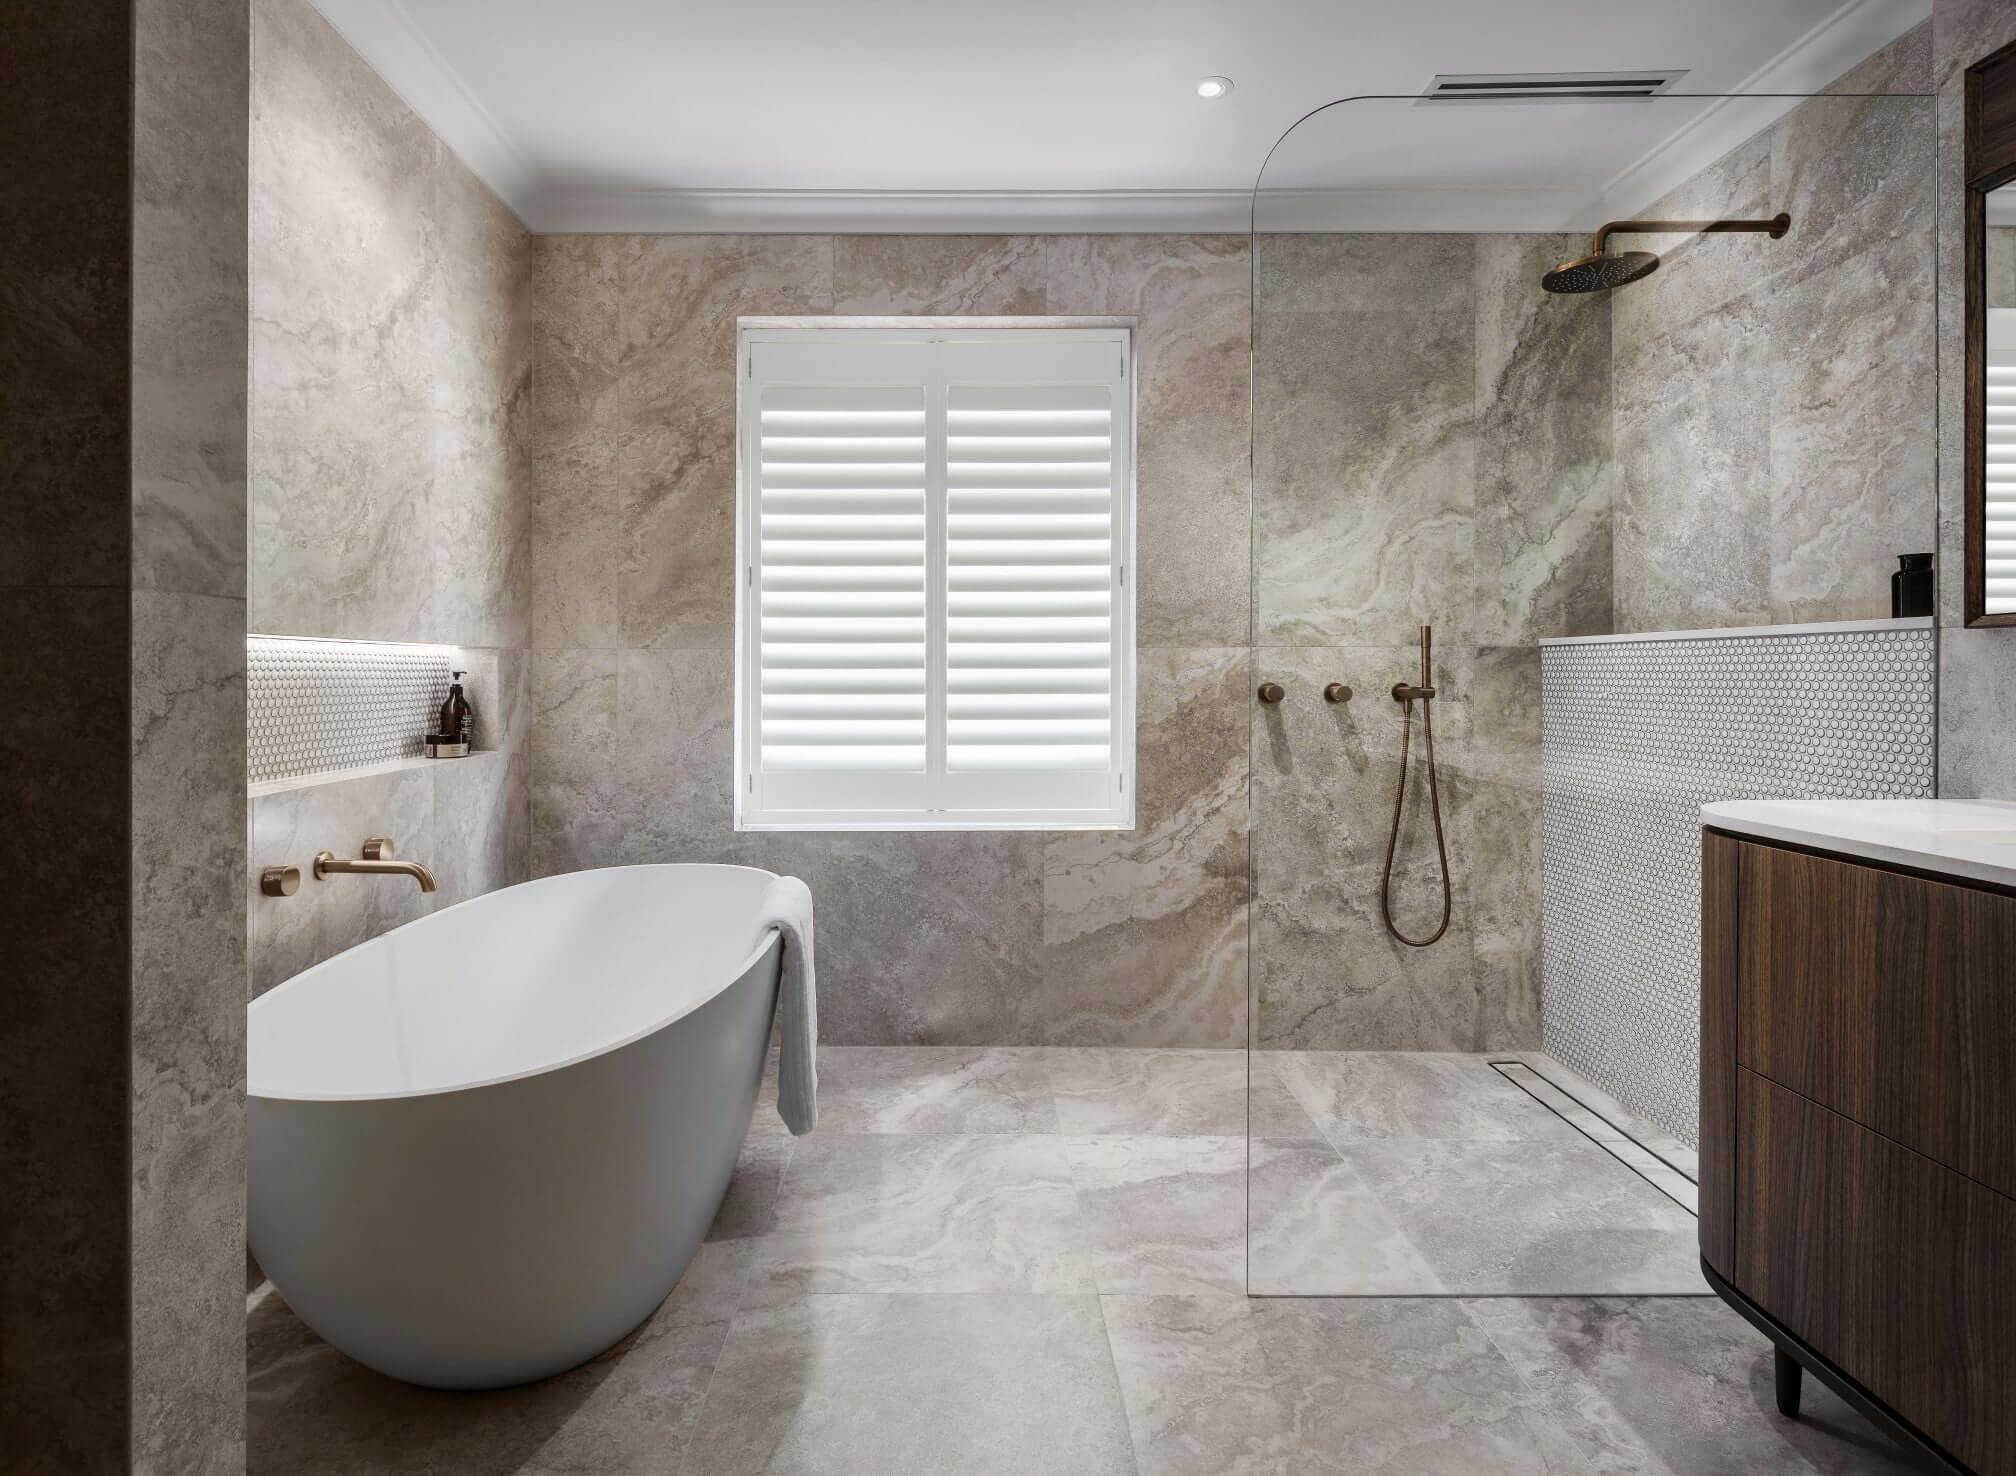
940 630
1999 511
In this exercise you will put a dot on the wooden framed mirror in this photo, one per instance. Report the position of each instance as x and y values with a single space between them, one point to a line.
1991 340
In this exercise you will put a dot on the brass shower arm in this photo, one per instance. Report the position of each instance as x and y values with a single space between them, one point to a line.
1775 227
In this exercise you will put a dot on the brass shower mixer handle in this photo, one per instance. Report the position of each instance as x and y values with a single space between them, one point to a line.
1336 692
1271 693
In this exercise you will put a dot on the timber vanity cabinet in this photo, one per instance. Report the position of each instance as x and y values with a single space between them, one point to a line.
1858 1106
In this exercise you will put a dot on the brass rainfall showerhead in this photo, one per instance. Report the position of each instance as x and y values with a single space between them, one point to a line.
1599 272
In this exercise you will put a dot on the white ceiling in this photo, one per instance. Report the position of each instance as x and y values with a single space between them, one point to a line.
1053 114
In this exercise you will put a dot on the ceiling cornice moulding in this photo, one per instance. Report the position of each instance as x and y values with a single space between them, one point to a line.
903 212
393 45
1847 38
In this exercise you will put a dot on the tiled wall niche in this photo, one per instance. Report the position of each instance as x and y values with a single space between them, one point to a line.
319 707
1638 734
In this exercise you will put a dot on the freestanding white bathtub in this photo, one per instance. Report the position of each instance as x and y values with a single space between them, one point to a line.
483 1147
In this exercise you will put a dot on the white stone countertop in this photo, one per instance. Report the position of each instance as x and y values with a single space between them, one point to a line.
1975 839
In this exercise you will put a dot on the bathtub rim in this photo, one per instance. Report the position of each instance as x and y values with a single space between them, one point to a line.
772 937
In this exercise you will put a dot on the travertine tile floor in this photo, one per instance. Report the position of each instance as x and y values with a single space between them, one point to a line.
1035 1260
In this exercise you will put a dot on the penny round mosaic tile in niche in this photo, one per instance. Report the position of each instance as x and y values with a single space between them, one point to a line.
313 707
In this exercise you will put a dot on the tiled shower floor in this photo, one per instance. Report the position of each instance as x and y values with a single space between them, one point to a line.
1036 1260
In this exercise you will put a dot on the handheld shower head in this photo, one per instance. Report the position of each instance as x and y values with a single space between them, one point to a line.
1600 271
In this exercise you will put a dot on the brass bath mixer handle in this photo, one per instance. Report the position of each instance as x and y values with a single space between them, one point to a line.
377 861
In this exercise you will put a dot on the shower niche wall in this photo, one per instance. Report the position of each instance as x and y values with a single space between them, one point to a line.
1741 436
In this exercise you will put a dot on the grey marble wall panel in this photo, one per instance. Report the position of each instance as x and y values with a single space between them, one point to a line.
1192 297
187 721
977 938
392 352
1544 447
916 276
1774 416
1977 668
681 296
188 1026
1145 930
1365 448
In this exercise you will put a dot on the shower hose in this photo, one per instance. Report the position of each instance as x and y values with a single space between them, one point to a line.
1399 806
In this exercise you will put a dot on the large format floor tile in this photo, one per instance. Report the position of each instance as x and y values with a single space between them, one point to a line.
1437 1173
1357 1096
309 1409
1547 1218
1166 1093
1663 1387
863 1385
1163 1214
881 1213
935 1089
1035 1259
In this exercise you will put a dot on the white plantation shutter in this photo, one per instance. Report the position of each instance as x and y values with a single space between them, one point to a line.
1999 540
935 625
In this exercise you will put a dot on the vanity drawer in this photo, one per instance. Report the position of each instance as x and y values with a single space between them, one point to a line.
1901 1271
1889 998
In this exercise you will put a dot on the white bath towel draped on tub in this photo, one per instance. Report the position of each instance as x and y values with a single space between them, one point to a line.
787 907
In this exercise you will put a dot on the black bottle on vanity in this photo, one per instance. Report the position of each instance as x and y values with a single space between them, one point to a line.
1911 586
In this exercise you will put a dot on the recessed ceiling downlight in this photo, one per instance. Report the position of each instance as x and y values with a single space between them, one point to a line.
1214 86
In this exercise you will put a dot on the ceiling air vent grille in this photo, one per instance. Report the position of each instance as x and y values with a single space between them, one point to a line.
1619 86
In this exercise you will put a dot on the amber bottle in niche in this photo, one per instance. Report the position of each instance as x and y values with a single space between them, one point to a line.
454 727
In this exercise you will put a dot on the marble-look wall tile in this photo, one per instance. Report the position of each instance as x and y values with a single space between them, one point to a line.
925 275
482 382
575 820
188 1030
1192 299
189 248
679 300
289 934
1144 930
1774 421
1544 447
1904 66
1693 439
577 352
1364 436
1853 432
1977 668
391 362
342 434
1326 975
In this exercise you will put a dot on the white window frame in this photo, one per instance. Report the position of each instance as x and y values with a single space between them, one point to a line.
751 814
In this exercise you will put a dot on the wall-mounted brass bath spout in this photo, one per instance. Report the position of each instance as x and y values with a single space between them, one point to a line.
377 861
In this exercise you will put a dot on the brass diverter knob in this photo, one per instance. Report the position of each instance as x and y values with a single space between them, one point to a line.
1336 692
1270 692
280 881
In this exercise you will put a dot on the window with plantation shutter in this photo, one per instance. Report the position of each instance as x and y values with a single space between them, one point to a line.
1999 542
934 625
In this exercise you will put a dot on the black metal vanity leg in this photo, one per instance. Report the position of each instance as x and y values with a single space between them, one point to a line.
1789 1374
